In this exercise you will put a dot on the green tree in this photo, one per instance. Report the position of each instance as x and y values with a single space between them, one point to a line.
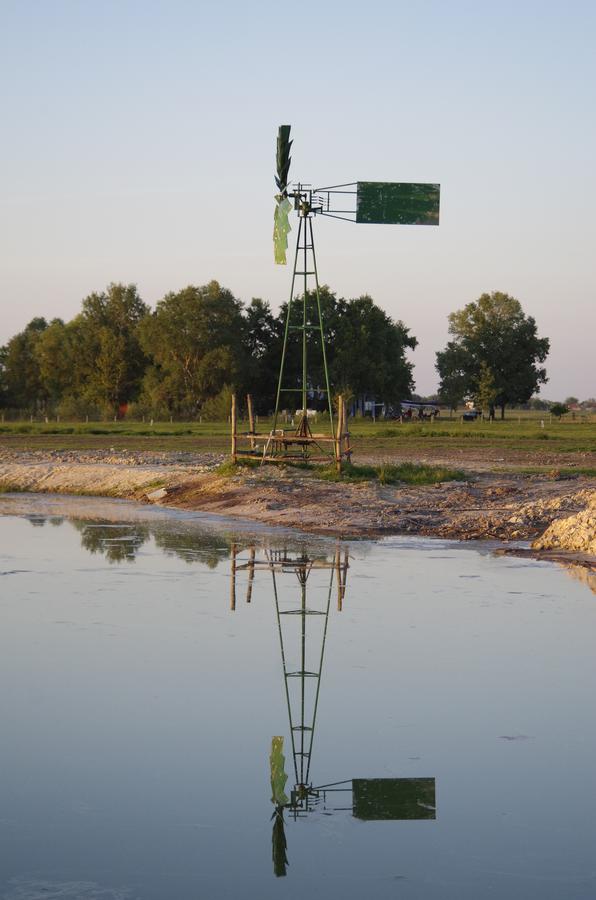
369 351
365 349
56 354
262 339
22 382
331 309
486 392
454 379
158 398
494 332
559 409
3 384
194 338
110 362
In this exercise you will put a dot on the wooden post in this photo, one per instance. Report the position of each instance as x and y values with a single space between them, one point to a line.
251 574
347 448
344 570
233 578
342 577
338 432
234 424
251 421
338 576
335 436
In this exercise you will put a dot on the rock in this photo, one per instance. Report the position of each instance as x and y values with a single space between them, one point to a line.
159 494
577 532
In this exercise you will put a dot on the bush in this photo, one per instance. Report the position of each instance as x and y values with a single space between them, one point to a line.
143 410
77 408
217 409
559 409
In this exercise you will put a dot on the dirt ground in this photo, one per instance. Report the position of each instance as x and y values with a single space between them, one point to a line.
497 505
484 458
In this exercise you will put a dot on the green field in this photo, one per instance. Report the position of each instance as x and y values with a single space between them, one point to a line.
518 433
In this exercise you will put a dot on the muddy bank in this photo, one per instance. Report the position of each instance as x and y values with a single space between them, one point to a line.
506 507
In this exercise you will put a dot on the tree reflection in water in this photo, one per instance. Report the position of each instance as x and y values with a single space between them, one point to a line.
118 543
121 542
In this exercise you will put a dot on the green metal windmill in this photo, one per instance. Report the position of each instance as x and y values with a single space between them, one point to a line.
366 202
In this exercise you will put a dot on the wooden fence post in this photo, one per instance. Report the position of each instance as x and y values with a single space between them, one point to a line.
251 574
251 421
338 576
338 432
233 578
348 449
234 424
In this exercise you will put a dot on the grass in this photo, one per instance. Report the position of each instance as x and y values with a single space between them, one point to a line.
154 485
228 468
521 433
7 488
404 473
94 429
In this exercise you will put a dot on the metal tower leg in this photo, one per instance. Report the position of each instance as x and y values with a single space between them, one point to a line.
311 321
302 725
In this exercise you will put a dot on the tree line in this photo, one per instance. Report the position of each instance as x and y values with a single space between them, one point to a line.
184 358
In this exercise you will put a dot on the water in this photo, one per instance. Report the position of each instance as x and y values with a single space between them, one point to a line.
138 710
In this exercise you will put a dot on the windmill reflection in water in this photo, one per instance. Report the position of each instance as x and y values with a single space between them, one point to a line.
302 630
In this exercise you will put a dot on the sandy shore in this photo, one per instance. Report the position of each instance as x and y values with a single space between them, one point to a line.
506 507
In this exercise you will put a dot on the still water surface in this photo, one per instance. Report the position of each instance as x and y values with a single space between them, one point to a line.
147 659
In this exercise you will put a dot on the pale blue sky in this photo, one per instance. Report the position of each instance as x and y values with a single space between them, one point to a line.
138 145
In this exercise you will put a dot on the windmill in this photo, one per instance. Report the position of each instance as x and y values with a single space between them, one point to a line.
362 202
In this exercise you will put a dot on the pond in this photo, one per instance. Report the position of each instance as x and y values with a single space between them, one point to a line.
195 708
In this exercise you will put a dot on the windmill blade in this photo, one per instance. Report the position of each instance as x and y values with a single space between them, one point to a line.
397 203
281 217
281 229
283 158
279 845
277 762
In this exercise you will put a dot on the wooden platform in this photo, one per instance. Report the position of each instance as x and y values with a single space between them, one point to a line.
297 445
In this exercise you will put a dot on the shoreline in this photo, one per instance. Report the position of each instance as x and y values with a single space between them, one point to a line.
495 506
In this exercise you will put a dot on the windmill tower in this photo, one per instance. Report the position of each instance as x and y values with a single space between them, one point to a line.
363 202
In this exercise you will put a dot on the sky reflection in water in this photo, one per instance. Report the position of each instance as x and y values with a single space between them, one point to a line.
141 693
